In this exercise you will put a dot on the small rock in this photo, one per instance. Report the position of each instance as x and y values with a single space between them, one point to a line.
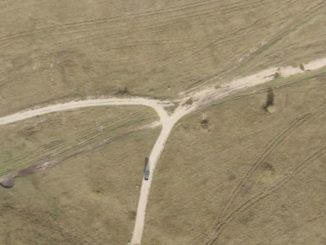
8 183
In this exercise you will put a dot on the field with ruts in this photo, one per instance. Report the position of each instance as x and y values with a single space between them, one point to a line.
59 50
231 172
245 176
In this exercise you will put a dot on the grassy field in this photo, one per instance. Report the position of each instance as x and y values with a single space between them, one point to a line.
246 147
57 136
90 196
58 50
54 51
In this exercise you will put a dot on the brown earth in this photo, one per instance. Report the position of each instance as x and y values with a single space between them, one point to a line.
58 50
59 135
241 145
91 196
61 50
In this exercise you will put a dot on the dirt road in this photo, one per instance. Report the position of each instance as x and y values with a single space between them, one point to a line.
200 98
158 106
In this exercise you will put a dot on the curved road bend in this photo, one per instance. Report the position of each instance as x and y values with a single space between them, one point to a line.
200 98
157 105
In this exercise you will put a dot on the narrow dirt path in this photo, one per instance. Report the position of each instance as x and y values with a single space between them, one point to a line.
199 99
157 105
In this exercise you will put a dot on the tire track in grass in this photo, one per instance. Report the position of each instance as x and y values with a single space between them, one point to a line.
199 99
106 20
262 195
42 153
269 149
292 27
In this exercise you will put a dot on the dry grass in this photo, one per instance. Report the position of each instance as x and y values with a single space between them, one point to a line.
202 165
58 50
60 135
90 197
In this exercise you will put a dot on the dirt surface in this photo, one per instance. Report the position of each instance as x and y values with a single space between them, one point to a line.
123 53
55 136
202 98
265 189
90 198
59 51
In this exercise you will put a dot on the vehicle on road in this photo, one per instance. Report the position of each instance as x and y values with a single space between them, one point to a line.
146 169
